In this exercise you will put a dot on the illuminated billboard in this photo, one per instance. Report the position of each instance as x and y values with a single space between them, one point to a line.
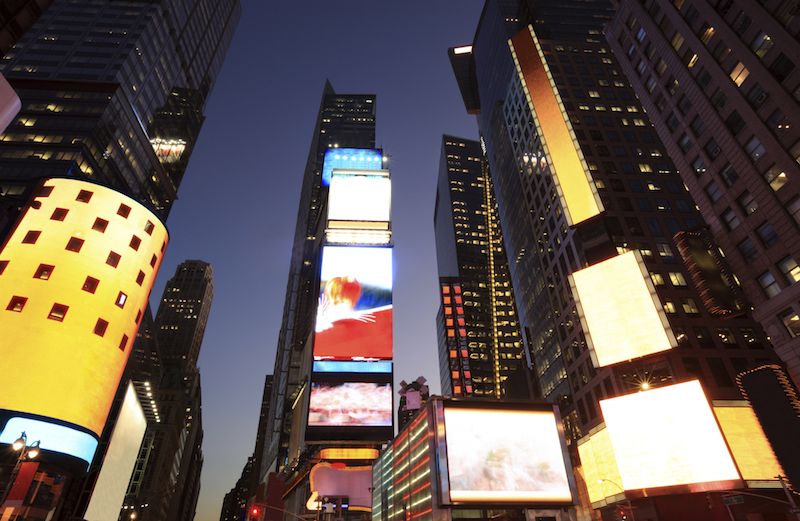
668 436
354 314
360 196
120 459
574 184
350 404
749 445
75 275
350 159
499 455
620 311
599 465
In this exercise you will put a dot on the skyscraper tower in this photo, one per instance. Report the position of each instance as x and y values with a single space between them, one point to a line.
480 343
721 84
584 187
343 121
114 91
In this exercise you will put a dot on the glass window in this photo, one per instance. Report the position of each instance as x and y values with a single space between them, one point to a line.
677 278
767 234
685 142
729 175
791 321
58 312
778 122
739 73
657 278
725 336
755 148
706 32
768 283
16 303
731 219
747 249
712 148
734 122
761 44
664 250
669 306
44 271
748 203
757 96
781 67
793 207
714 192
790 269
699 166
690 307
776 177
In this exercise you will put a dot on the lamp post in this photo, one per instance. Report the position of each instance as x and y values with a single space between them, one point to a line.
26 452
628 501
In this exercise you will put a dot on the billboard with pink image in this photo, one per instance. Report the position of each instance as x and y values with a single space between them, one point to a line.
350 404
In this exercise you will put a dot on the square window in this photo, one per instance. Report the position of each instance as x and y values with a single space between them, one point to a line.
699 166
768 283
113 259
31 237
100 327
690 307
712 148
3 266
100 225
790 269
755 148
734 122
677 278
747 249
121 299
124 210
713 191
58 312
781 67
725 335
768 235
729 175
123 343
135 243
44 271
748 203
75 244
791 322
739 73
793 207
776 177
44 191
140 278
138 316
59 214
657 278
148 228
90 284
731 219
16 303
84 196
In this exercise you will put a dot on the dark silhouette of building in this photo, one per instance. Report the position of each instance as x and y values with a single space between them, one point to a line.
343 121
413 397
480 343
16 17
721 84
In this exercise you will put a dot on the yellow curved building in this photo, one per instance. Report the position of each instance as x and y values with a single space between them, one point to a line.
75 276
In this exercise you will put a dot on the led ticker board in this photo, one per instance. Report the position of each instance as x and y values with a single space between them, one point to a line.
504 455
75 275
354 314
621 313
668 436
350 159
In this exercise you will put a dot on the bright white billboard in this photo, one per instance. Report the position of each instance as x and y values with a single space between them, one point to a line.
123 449
505 456
667 436
360 196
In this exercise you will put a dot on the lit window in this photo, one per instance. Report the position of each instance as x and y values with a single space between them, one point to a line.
677 40
74 244
762 44
44 271
669 306
664 250
776 177
791 321
677 278
594 94
706 32
713 191
58 312
768 283
690 307
121 299
739 74
790 269
16 304
725 336
657 278
699 166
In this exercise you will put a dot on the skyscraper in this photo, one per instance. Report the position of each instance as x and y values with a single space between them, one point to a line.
16 17
114 91
584 187
167 484
720 83
480 343
343 121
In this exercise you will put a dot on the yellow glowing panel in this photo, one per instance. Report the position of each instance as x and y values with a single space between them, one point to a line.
490 460
69 369
574 183
620 311
599 466
667 436
349 454
749 445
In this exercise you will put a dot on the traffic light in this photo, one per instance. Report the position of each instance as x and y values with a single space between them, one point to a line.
255 513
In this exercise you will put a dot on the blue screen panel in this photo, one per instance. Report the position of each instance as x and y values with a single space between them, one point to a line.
352 367
52 437
350 159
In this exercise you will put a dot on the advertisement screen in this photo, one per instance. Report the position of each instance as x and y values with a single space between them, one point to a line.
749 445
350 404
354 196
354 315
623 317
667 436
350 159
505 456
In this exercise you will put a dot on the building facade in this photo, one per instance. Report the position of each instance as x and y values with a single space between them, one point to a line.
16 17
720 83
480 343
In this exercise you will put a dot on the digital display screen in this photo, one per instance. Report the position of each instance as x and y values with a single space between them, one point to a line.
365 196
350 159
352 367
505 456
350 404
667 436
354 315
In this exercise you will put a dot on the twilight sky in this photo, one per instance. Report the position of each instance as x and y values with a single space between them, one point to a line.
238 201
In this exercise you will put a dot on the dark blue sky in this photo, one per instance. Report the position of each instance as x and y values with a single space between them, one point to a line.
238 201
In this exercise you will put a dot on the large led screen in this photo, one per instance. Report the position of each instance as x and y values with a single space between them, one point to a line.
622 315
505 456
667 436
354 315
350 159
360 196
749 445
350 404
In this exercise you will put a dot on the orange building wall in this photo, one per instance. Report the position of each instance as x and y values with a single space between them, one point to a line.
63 369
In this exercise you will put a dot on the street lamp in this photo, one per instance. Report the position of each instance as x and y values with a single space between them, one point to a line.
628 501
26 452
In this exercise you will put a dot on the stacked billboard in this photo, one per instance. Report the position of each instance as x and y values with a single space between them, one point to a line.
351 380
